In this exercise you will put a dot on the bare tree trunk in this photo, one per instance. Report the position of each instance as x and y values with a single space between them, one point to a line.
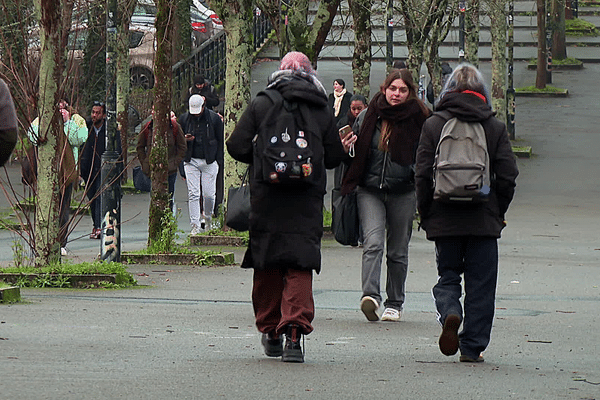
182 32
159 164
426 24
123 81
47 244
559 46
540 76
498 29
237 17
361 60
292 27
472 33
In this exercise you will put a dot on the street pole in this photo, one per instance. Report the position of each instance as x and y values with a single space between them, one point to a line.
462 7
510 92
110 200
389 35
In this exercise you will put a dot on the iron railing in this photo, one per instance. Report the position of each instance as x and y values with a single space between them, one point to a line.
209 60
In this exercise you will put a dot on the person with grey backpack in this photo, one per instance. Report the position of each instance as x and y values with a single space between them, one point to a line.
465 179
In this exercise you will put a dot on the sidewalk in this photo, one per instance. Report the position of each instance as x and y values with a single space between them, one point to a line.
188 332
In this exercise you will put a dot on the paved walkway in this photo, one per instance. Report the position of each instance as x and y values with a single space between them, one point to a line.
188 332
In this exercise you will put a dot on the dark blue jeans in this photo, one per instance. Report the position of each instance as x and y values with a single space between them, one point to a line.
477 259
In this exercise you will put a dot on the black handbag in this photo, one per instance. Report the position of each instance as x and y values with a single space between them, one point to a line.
345 223
141 181
238 206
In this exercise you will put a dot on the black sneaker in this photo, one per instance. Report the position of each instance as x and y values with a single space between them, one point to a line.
292 351
449 338
273 344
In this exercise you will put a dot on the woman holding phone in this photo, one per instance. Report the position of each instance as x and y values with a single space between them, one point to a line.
382 172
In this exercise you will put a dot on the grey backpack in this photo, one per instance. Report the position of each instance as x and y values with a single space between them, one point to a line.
461 168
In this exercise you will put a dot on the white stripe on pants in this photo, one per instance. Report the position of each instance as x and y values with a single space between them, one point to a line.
201 179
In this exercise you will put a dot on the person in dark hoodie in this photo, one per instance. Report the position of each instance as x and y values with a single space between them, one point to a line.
286 224
446 71
466 235
204 88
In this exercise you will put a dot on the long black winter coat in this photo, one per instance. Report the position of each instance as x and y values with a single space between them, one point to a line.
485 219
286 225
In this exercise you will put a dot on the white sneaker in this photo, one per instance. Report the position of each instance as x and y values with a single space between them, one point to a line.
369 306
391 314
195 230
63 251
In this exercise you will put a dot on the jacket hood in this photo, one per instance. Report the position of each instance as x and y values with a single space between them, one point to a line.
465 106
296 88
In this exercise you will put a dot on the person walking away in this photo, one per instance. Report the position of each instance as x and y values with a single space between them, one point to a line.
466 235
204 130
176 149
382 174
8 123
286 222
339 100
446 71
91 163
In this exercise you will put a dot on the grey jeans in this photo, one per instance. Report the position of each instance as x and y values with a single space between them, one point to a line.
386 219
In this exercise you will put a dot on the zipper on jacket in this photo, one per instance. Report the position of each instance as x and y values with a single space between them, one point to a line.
385 155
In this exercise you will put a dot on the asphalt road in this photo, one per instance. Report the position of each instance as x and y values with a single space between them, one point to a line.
188 332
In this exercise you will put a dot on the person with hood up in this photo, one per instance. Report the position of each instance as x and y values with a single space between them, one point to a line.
466 235
286 223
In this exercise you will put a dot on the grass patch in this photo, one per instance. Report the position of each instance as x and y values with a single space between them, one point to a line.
580 27
56 275
558 61
533 89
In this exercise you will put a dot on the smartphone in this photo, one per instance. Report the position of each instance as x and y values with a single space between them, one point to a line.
345 131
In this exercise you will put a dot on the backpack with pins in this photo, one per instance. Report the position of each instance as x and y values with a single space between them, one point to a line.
282 147
461 168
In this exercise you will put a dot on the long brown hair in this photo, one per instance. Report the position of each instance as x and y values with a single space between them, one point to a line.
405 75
407 78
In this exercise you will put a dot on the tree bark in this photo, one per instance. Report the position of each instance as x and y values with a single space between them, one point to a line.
159 164
540 76
46 241
123 81
472 33
498 29
361 60
237 17
559 46
294 32
426 24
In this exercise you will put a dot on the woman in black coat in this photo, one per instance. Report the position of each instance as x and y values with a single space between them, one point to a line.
339 100
465 235
286 223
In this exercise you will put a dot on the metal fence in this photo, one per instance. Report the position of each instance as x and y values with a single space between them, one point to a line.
209 60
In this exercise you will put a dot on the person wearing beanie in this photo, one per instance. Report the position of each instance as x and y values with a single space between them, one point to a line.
204 88
286 223
204 130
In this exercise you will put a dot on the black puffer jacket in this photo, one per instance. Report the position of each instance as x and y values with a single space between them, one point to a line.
286 225
383 174
485 219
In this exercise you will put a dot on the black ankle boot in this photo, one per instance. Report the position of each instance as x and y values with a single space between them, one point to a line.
272 343
292 351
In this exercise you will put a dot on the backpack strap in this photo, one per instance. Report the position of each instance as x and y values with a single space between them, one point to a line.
444 114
